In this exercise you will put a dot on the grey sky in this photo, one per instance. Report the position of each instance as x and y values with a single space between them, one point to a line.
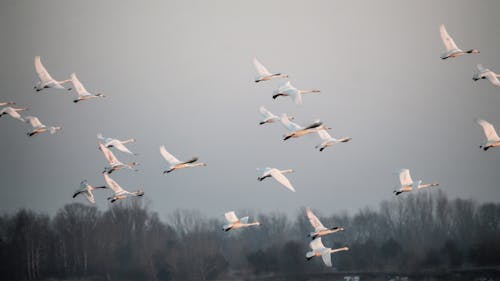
180 73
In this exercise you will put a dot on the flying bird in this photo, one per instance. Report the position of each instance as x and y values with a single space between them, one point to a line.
175 164
114 164
83 94
86 189
264 74
233 222
277 175
119 192
13 112
319 250
319 228
118 144
46 81
269 117
287 90
407 184
7 103
485 73
298 131
452 51
39 128
327 140
492 139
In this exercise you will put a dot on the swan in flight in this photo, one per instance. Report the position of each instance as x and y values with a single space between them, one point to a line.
86 189
485 73
13 112
452 50
114 164
118 144
319 250
327 140
175 164
83 94
269 117
39 128
46 81
120 193
7 103
277 175
287 90
407 184
298 131
319 228
492 139
233 222
264 74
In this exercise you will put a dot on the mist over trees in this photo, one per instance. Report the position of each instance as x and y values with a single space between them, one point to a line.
418 232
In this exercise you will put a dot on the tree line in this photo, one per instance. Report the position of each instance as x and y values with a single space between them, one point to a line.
419 232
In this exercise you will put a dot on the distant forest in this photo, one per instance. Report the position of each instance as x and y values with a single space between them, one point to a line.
422 232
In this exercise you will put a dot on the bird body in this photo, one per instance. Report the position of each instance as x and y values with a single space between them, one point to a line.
39 128
118 144
319 228
287 90
327 140
297 130
319 250
233 222
264 74
175 164
45 80
452 51
485 73
83 94
13 112
86 189
277 175
407 184
492 139
119 192
114 164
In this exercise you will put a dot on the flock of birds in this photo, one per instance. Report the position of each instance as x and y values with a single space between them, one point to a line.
407 184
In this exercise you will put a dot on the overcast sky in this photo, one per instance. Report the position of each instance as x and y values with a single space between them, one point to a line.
180 73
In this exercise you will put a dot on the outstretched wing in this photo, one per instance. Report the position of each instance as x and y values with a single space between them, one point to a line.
231 217
489 130
168 157
113 185
35 123
120 146
317 244
90 196
324 135
315 222
404 177
327 258
80 90
266 113
289 125
492 78
42 73
13 113
275 173
244 220
447 40
481 68
112 160
261 69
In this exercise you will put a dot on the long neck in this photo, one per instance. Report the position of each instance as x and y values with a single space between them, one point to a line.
309 91
252 224
286 171
128 141
64 81
339 249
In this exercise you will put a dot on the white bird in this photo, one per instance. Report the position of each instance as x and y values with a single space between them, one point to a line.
175 164
114 164
39 128
485 73
13 112
83 94
264 74
319 250
233 222
287 90
319 228
327 140
452 50
407 184
46 81
269 117
7 103
298 131
86 189
120 193
492 139
118 144
277 175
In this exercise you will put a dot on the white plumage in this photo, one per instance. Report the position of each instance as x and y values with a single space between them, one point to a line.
287 90
264 74
39 128
46 81
119 192
118 144
452 50
492 139
82 93
175 164
277 175
485 73
233 222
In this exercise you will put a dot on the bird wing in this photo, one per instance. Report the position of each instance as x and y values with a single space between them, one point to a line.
489 130
231 217
266 113
404 177
316 124
447 40
35 123
120 146
112 160
481 68
261 69
80 90
492 78
42 73
168 157
113 185
315 222
244 220
296 96
284 87
289 125
317 244
90 196
327 258
324 135
275 173
13 113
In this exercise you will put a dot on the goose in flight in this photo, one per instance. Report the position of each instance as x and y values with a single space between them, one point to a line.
83 94
277 175
319 228
118 144
492 139
319 250
269 117
298 131
7 103
175 164
287 90
86 189
39 128
46 81
452 50
114 164
407 184
485 73
120 193
233 222
13 112
264 74
327 140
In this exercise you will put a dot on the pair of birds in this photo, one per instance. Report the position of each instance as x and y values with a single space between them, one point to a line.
119 193
46 81
38 127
